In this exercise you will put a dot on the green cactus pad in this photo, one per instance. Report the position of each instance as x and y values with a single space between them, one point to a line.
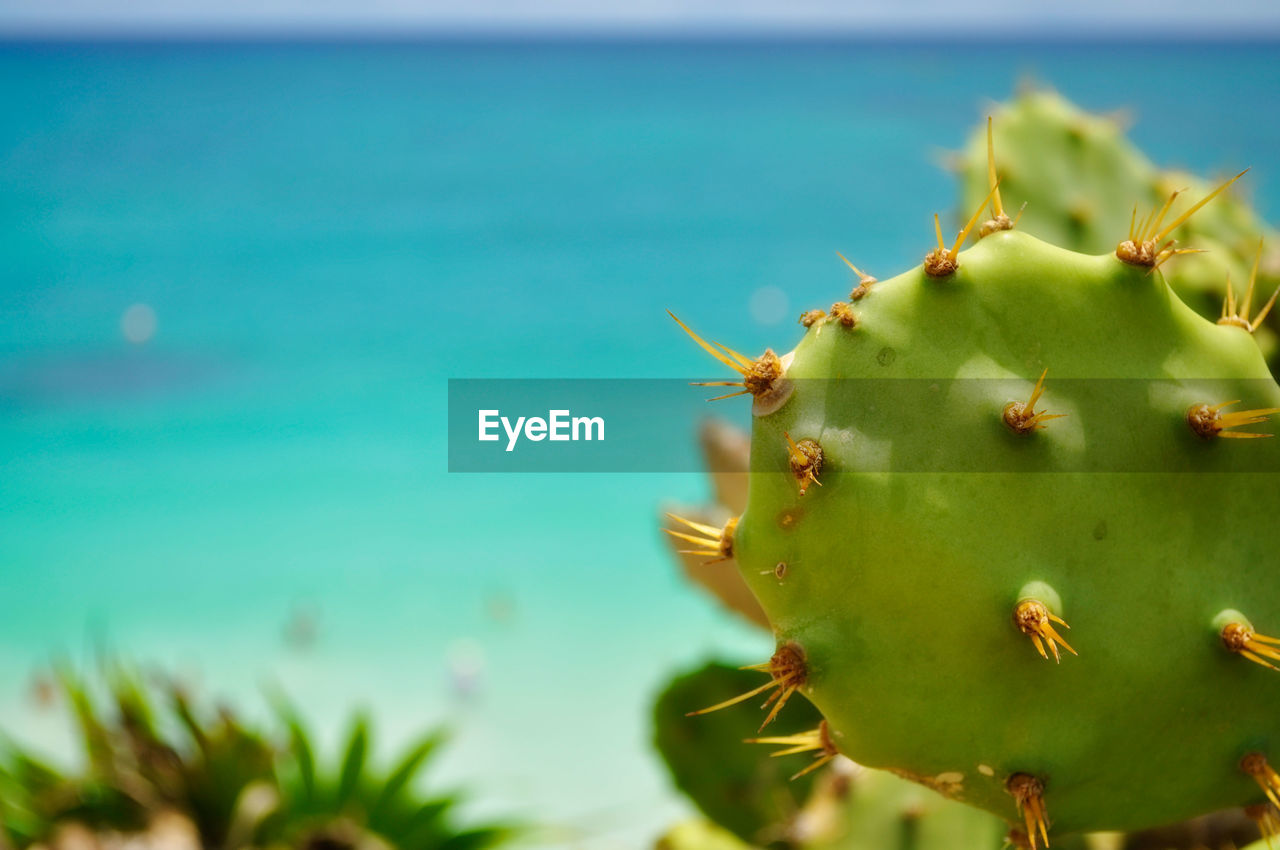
935 519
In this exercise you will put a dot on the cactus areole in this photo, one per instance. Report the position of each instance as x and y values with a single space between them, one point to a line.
930 607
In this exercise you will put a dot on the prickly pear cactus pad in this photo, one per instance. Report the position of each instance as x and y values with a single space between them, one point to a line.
1066 633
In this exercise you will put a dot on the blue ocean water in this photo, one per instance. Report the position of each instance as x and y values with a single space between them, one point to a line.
327 232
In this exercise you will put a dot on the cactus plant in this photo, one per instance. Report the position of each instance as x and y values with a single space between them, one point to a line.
920 596
855 807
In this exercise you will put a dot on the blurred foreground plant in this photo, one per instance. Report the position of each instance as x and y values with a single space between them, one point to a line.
154 762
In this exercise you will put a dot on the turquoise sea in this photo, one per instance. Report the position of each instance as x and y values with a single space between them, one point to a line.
325 233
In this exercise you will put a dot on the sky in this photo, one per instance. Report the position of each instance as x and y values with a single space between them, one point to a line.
1137 19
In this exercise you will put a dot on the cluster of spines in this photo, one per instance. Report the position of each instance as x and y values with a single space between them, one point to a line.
1239 316
1147 245
1239 637
816 741
758 375
715 543
1028 797
1022 417
788 673
1255 765
1211 420
805 459
999 219
1034 619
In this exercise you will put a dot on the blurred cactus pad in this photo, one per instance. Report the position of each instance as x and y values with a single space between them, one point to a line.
162 771
1011 512
1081 179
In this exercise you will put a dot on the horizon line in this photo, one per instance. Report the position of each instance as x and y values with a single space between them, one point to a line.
338 33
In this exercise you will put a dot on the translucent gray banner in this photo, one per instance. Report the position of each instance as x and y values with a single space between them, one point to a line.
869 426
